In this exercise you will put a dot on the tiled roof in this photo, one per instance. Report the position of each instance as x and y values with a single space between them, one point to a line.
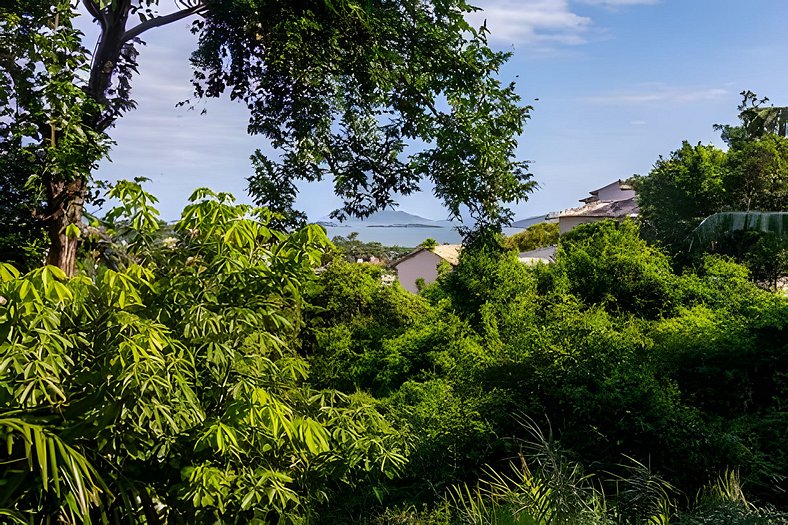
609 209
449 253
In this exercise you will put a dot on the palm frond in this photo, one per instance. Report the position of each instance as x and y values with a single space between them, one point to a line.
62 470
767 120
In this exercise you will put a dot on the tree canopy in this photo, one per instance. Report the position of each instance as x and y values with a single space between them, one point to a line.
378 95
696 182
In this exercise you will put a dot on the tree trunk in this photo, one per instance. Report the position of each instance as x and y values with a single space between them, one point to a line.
66 198
65 208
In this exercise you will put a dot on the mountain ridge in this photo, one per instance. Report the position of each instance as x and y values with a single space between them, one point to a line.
390 218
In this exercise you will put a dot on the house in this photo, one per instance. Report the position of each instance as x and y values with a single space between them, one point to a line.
616 201
422 263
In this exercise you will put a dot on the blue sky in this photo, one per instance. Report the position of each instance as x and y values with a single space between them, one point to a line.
618 83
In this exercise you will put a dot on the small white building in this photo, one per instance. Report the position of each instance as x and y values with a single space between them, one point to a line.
616 201
422 263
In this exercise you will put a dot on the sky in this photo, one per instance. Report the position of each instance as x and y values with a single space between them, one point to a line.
614 85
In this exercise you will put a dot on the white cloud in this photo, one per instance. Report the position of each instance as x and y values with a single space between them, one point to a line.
658 93
532 21
620 3
541 21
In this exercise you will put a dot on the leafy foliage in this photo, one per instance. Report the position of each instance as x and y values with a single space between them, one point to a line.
345 89
696 183
376 95
198 377
631 363
609 264
172 388
22 240
537 236
757 119
679 192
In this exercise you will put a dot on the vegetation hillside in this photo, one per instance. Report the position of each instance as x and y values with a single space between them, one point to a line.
236 367
231 373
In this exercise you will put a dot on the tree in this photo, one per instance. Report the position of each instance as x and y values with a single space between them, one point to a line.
757 119
751 175
428 244
47 118
703 198
757 175
341 89
21 240
679 192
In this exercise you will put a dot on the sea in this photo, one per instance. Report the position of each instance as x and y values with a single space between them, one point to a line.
407 237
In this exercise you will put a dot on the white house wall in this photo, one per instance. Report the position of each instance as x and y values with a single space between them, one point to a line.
613 192
421 265
567 223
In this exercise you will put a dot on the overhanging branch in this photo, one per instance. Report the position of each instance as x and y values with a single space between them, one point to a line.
95 11
160 21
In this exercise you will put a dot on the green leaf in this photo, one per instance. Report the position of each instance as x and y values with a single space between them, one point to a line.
73 231
8 272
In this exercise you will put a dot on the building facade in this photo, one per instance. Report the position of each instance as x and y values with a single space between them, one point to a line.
423 263
616 201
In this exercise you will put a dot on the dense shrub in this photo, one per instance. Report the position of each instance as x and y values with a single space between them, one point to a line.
607 263
537 236
198 377
617 353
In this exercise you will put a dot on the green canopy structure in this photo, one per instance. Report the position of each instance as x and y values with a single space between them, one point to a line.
716 226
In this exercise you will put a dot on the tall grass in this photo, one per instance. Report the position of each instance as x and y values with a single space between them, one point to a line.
542 487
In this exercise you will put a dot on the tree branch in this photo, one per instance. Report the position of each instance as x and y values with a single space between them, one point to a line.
160 21
95 12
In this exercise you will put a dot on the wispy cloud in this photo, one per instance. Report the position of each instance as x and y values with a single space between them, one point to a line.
532 21
544 22
657 93
620 3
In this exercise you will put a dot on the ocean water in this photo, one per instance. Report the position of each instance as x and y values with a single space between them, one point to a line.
407 237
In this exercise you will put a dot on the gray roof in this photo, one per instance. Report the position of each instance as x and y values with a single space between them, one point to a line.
546 255
605 209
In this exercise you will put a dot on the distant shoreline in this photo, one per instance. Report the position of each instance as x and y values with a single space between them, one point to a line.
391 236
335 225
404 226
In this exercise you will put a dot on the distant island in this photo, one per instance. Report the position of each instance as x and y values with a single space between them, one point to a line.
405 226
386 219
401 219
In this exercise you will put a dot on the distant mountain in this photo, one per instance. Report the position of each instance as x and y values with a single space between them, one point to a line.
402 219
530 221
388 218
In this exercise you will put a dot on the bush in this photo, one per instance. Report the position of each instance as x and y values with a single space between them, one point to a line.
607 263
537 236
